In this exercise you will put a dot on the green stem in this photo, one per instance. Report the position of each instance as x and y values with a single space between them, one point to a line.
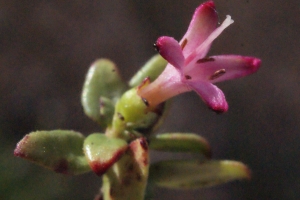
127 179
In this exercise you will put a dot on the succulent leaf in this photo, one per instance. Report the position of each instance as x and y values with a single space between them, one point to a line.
102 152
102 87
152 69
57 150
183 174
180 142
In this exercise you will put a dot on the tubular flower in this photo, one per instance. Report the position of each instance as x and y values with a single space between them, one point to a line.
190 69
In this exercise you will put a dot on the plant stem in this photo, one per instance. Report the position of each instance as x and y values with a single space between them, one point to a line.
127 179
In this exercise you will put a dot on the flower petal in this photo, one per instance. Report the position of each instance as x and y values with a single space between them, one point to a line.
211 95
202 50
170 50
168 84
204 22
224 67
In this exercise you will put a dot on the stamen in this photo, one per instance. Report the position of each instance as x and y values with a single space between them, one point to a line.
217 74
183 44
188 77
207 59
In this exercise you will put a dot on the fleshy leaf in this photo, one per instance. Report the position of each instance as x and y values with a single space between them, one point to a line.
57 150
152 69
180 142
127 179
107 109
102 82
181 174
102 152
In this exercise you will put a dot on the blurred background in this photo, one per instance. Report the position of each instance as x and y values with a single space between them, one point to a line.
47 46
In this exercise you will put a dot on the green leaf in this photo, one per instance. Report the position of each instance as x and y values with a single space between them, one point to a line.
102 88
58 150
107 108
182 174
102 152
180 142
153 68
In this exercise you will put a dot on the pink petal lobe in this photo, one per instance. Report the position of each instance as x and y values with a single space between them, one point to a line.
211 95
224 67
203 23
170 50
202 50
168 84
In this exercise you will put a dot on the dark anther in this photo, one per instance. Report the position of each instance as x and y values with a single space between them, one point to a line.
203 60
145 102
188 77
121 117
217 74
183 44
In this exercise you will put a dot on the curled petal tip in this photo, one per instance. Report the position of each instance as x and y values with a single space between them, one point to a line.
160 42
208 4
206 9
170 50
253 64
219 108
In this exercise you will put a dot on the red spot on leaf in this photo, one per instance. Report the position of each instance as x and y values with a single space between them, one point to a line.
140 148
101 166
19 151
144 144
145 161
62 167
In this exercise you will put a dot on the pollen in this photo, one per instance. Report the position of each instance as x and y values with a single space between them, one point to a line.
183 44
207 59
217 74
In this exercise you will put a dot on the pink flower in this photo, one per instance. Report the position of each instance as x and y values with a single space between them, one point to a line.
190 69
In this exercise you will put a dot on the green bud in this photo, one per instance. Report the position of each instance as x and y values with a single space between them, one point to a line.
182 174
132 113
180 142
152 69
58 150
102 88
102 152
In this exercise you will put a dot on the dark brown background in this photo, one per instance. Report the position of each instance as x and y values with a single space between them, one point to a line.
47 46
